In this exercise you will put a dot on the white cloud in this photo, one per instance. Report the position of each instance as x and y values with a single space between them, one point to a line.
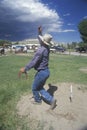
67 30
85 17
34 11
70 24
68 14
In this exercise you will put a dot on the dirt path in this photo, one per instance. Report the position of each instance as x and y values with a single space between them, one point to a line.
66 116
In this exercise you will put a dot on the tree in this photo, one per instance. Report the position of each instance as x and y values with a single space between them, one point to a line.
83 30
5 43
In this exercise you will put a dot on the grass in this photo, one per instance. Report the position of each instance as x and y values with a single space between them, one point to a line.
63 68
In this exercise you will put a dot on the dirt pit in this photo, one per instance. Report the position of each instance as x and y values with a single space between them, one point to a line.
68 115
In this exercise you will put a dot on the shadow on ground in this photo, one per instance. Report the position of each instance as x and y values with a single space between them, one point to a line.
52 89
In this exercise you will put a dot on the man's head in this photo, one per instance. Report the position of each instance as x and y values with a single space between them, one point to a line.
46 39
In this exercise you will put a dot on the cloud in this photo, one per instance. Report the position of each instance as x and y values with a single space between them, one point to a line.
85 17
67 30
19 19
68 14
70 24
31 11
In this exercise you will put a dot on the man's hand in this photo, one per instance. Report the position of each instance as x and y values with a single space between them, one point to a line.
21 71
39 29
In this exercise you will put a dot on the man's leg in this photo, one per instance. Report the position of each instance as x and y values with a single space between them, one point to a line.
35 88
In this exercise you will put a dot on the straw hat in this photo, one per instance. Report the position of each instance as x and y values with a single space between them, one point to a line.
46 39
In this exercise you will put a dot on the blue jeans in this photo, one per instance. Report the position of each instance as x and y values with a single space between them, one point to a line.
37 87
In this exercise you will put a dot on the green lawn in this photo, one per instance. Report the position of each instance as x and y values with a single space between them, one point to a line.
63 68
66 68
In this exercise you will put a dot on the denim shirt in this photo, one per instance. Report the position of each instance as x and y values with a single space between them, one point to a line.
40 59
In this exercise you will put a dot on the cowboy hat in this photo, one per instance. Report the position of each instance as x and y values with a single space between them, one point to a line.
46 39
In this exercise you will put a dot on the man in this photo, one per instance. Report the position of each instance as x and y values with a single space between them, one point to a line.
40 63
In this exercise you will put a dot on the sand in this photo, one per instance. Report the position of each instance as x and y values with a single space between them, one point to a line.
67 115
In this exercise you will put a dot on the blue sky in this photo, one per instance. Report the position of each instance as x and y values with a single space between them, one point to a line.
19 19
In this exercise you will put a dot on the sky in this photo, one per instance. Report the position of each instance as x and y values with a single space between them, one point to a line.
19 19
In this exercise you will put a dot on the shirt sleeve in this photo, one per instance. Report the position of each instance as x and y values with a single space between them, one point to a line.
40 42
34 61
